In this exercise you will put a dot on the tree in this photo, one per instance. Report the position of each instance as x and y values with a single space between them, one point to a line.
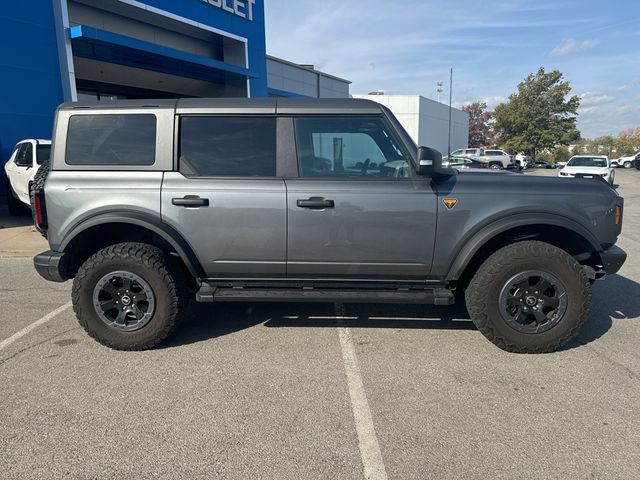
538 116
480 124
628 142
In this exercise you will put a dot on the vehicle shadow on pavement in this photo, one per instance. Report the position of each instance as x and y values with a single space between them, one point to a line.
615 298
7 221
208 321
380 316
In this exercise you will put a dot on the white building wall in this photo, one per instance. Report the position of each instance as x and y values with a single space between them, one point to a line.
427 121
305 81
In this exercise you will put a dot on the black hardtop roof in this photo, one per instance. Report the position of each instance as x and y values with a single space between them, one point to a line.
239 105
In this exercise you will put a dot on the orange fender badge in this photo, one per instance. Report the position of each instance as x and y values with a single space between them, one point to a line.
450 202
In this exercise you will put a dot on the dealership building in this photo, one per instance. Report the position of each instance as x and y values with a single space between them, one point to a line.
427 121
65 50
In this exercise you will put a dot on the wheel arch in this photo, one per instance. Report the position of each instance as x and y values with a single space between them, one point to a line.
107 229
557 230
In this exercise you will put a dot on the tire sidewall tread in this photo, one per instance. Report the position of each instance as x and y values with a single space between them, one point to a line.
154 266
483 292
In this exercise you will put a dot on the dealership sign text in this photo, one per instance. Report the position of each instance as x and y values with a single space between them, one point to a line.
241 8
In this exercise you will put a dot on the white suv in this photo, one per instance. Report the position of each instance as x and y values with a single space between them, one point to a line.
20 169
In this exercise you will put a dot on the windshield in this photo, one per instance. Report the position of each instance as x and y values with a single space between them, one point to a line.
43 153
587 162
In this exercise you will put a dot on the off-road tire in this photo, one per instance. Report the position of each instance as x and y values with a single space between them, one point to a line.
38 183
483 292
158 269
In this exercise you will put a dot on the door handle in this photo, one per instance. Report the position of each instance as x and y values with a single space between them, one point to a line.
315 203
190 201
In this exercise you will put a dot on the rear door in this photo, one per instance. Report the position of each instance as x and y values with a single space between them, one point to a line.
23 165
226 199
356 211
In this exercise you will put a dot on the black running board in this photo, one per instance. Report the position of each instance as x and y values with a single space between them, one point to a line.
439 296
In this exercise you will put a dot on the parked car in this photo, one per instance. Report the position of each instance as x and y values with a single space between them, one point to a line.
497 159
467 152
588 166
465 162
523 161
256 200
626 161
21 168
544 164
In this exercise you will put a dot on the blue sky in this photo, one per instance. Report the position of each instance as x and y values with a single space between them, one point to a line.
406 47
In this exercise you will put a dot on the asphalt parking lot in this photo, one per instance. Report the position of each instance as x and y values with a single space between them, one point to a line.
320 391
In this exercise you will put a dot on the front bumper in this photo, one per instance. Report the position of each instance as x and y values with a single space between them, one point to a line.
52 266
612 259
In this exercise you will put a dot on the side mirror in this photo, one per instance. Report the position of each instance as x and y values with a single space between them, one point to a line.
430 163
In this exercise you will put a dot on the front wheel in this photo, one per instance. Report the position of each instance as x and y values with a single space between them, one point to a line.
128 296
627 165
529 297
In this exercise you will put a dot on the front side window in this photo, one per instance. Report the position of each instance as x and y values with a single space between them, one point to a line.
24 157
348 147
228 146
111 139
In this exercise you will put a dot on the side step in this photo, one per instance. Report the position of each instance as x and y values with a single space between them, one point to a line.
438 296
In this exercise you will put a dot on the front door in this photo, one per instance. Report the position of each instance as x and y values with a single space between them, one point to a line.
226 199
357 211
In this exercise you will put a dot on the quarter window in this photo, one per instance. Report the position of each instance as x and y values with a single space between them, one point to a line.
111 139
348 147
228 146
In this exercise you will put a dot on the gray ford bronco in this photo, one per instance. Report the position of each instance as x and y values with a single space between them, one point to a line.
295 200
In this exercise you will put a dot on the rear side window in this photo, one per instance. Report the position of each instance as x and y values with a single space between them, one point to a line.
111 139
228 146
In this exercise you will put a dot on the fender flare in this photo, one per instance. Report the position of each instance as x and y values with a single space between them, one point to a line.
478 239
155 225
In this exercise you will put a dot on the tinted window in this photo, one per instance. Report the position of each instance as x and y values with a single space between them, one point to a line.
111 139
587 162
24 157
348 147
228 146
494 152
43 152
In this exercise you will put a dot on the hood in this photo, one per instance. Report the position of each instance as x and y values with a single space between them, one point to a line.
592 170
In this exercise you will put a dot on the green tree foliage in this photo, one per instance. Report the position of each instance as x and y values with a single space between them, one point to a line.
628 142
539 116
561 154
480 125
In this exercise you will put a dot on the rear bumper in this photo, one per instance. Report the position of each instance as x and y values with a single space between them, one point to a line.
51 266
612 259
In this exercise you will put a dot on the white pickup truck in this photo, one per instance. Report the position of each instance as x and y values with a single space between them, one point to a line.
26 158
497 159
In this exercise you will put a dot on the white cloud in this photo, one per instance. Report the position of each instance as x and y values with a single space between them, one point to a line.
493 102
592 99
571 45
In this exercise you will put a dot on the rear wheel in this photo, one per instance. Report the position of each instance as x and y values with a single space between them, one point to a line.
529 297
627 165
495 166
129 296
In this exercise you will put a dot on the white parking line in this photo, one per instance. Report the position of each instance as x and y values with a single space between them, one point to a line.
5 343
367 440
